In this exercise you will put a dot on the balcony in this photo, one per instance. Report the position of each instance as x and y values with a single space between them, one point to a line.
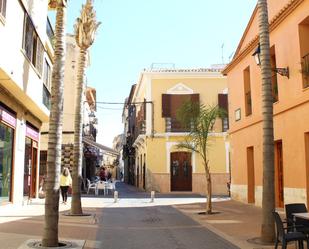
173 125
140 128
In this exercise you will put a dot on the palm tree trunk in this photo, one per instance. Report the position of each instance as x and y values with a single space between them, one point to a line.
208 188
50 234
268 201
76 207
209 194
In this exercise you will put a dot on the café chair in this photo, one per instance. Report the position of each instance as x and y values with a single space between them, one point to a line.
100 186
109 186
302 224
91 186
285 235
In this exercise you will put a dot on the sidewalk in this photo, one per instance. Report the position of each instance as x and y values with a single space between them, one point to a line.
234 221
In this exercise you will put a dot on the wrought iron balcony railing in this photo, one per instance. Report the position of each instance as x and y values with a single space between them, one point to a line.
173 125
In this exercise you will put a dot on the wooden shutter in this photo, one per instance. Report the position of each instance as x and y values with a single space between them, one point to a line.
223 101
166 105
39 56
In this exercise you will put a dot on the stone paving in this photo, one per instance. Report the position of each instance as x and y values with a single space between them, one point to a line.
170 222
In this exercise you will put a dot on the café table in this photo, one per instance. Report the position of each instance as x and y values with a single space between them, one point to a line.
301 215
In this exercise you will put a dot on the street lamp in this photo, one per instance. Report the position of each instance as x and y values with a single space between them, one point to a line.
282 71
256 55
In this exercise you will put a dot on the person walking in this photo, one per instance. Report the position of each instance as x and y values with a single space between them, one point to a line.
102 174
65 183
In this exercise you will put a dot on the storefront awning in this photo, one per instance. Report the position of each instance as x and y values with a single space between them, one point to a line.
105 149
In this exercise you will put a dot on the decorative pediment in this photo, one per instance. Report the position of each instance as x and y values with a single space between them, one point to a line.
180 88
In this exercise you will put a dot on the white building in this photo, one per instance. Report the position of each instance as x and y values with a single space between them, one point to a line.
25 70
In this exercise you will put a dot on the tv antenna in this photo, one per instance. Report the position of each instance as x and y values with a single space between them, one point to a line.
222 46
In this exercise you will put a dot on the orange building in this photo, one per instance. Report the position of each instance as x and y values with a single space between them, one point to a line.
289 41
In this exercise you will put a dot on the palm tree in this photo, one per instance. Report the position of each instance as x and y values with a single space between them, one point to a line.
50 235
268 198
85 29
200 120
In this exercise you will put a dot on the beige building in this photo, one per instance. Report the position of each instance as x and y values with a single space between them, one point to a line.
25 68
152 158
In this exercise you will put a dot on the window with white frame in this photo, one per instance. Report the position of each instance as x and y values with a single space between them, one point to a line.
47 84
32 44
47 75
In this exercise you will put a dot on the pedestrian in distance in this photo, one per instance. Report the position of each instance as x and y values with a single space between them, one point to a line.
102 174
109 176
65 183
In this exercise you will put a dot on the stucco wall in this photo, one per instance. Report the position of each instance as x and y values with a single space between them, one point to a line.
291 115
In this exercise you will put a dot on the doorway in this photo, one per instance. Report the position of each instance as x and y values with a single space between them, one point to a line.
181 171
250 175
30 168
279 184
307 165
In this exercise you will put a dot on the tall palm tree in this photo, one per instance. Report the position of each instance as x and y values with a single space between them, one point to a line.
268 198
50 235
85 29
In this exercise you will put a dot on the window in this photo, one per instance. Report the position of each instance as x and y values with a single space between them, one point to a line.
305 70
3 7
303 30
247 90
223 104
170 106
6 162
50 32
46 85
47 75
274 80
237 114
33 45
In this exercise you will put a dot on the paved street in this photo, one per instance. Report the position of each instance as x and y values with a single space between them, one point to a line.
122 225
154 227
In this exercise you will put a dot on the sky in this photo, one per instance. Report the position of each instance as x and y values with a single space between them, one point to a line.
136 33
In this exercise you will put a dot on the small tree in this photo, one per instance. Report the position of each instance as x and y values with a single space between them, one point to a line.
200 120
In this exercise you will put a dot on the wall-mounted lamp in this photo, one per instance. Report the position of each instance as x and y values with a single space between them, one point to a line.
282 71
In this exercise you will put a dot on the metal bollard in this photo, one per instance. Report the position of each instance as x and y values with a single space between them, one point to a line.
152 196
115 196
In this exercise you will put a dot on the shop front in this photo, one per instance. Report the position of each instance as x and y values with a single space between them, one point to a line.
7 131
31 161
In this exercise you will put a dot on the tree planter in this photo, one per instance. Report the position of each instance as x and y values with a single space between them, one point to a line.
81 215
63 244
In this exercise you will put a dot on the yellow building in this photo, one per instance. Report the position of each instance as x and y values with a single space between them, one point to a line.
25 67
152 132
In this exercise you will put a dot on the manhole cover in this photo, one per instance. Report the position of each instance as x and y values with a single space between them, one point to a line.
152 220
